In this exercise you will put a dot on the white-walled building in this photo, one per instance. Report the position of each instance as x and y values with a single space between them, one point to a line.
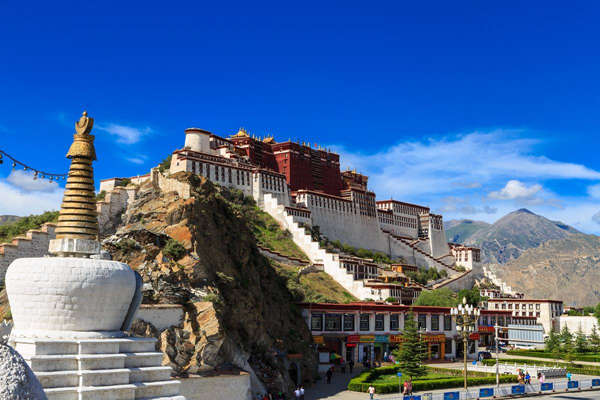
546 312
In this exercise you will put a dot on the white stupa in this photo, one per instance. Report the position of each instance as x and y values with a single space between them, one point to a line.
71 311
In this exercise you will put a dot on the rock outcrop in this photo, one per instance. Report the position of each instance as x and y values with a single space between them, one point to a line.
17 380
200 252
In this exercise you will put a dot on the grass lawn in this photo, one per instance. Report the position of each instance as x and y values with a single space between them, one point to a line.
394 378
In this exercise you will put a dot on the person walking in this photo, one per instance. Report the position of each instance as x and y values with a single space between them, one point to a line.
542 378
301 392
329 373
297 393
371 392
343 366
351 365
569 376
527 378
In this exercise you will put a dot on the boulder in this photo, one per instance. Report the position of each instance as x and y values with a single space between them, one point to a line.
17 380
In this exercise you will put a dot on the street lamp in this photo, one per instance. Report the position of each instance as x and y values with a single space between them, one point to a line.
466 321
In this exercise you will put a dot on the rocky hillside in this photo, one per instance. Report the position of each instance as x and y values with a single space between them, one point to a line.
201 252
514 233
567 269
460 230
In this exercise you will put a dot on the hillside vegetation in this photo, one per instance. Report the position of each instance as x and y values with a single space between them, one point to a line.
20 226
314 287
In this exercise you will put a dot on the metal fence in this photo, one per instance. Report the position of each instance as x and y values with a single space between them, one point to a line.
504 391
513 368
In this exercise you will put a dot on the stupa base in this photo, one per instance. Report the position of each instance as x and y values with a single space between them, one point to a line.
125 368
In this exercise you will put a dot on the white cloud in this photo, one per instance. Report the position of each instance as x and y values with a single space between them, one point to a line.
17 201
25 181
594 191
136 160
444 166
516 190
125 134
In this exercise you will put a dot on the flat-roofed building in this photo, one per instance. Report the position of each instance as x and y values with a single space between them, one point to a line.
545 311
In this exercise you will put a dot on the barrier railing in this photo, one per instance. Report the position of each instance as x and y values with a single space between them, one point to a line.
505 390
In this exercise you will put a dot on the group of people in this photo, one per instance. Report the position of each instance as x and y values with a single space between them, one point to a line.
525 379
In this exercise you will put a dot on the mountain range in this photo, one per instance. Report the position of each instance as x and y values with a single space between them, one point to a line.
7 219
507 238
535 255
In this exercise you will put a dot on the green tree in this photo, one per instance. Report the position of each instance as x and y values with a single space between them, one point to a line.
566 339
595 340
472 295
580 342
165 164
597 312
443 297
553 343
412 350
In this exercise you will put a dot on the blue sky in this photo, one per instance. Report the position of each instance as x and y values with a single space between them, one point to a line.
473 108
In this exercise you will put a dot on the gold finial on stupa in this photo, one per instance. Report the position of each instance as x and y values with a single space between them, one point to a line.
77 218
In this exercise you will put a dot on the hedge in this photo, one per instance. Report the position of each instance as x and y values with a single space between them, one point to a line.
362 382
573 368
595 357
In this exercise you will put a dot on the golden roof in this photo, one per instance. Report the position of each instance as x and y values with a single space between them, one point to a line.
241 133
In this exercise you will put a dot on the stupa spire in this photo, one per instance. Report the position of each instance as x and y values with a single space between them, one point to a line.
78 218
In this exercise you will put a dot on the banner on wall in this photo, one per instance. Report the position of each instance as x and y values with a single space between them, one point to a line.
319 339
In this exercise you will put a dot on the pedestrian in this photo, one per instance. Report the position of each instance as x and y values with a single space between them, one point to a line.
265 397
410 387
371 392
351 365
569 376
301 392
343 367
297 393
328 374
542 378
527 378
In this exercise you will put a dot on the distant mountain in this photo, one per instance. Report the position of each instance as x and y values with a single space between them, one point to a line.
567 269
514 233
7 219
459 230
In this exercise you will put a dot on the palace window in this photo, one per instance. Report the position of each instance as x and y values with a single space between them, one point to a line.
537 306
448 346
447 322
435 322
516 306
333 322
364 322
394 322
493 320
422 321
379 322
348 322
316 321
531 306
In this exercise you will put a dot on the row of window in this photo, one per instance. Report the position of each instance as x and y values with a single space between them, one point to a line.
346 322
326 202
397 220
271 183
222 174
404 208
509 306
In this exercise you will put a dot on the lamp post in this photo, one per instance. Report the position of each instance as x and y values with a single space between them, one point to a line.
466 321
496 327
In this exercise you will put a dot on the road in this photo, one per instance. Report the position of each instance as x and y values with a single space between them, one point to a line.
572 395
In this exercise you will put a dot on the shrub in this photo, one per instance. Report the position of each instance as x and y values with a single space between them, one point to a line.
165 164
571 367
362 382
100 196
174 250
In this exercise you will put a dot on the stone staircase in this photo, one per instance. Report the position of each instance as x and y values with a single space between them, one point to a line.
491 275
330 261
34 243
99 369
435 262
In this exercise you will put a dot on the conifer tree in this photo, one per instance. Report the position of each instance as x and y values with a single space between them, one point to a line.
566 339
595 340
552 343
412 350
580 342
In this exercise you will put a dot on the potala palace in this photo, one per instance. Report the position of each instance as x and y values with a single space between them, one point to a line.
302 187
